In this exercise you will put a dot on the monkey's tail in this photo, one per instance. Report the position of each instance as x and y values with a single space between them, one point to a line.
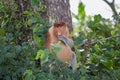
73 62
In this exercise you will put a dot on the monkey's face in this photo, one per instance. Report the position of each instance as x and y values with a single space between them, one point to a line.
60 30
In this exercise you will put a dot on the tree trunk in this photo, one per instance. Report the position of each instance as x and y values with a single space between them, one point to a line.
58 10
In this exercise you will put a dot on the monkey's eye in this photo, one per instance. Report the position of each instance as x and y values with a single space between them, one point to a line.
57 26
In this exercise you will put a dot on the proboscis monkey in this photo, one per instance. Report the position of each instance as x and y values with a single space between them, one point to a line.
59 32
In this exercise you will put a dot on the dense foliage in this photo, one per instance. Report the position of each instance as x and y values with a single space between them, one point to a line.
22 52
22 34
99 42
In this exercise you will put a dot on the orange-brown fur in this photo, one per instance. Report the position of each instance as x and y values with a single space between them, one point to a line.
65 53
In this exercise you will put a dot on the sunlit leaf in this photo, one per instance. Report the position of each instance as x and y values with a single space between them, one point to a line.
112 33
81 11
4 22
42 55
29 22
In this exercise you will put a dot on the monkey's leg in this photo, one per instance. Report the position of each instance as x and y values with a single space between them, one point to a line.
73 61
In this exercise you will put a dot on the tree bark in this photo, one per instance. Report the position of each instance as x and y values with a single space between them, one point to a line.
58 10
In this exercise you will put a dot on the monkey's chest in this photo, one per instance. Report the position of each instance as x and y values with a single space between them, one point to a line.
65 54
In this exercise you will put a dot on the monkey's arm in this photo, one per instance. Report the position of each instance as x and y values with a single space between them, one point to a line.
66 40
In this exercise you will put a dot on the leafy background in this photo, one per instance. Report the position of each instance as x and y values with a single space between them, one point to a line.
23 55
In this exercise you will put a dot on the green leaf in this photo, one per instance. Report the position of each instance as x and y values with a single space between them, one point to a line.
41 54
29 75
35 29
34 20
2 32
75 16
83 78
97 18
81 11
83 71
29 22
29 13
90 24
107 63
5 20
112 33
7 78
35 2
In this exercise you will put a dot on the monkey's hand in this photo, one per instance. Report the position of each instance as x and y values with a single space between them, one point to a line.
67 41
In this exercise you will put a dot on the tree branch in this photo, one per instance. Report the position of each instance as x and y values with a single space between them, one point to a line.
107 2
112 6
86 47
113 1
20 2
